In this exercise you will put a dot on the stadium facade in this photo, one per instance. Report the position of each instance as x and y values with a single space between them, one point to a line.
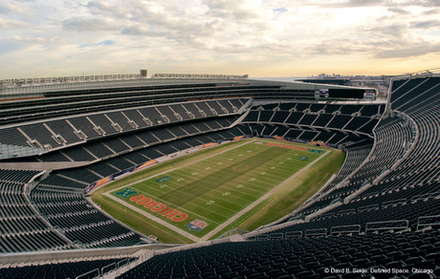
60 138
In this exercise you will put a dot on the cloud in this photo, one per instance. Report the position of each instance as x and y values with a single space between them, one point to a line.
6 24
395 30
362 3
399 11
414 50
82 24
213 35
103 43
425 24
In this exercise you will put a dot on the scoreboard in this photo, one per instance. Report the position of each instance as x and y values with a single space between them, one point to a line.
346 93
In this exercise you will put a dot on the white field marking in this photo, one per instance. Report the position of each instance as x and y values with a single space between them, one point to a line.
153 191
225 194
261 199
184 165
195 199
252 179
184 209
210 202
154 218
239 186
231 159
250 173
211 195
270 174
272 168
208 168
180 179
197 169
239 194
249 188
261 188
263 173
195 173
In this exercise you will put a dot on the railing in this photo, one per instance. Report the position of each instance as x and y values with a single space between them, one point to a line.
426 221
198 76
348 229
386 226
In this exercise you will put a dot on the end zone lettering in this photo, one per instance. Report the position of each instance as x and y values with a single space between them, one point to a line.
160 208
287 146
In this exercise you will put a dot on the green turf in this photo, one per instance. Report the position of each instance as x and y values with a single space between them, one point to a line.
216 188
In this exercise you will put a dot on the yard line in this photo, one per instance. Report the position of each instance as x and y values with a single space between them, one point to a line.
154 218
183 209
184 165
189 202
254 204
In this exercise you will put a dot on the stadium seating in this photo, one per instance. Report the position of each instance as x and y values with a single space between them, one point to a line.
22 228
299 258
64 270
51 134
380 211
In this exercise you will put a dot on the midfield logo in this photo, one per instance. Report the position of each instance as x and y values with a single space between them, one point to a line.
197 225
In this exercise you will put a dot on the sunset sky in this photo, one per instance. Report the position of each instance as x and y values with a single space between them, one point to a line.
261 38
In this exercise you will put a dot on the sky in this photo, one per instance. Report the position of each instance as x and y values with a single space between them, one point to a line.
41 38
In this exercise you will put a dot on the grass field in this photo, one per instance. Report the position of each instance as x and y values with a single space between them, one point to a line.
223 188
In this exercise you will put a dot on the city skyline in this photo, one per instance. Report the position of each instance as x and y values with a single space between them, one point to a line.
260 38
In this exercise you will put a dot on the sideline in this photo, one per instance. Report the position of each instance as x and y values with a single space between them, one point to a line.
184 165
155 218
261 199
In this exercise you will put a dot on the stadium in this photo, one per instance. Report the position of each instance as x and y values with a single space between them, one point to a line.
73 147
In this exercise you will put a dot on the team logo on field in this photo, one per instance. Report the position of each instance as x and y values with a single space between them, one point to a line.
197 225
240 168
126 192
319 151
163 179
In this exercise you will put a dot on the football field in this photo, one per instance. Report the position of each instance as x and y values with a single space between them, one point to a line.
197 200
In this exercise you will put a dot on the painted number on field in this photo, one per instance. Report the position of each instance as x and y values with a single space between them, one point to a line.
180 179
210 202
194 173
225 194
252 179
239 186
